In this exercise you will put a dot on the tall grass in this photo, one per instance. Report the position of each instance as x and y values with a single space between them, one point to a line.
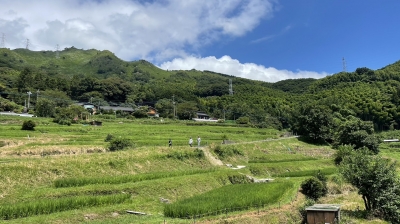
48 206
229 198
82 181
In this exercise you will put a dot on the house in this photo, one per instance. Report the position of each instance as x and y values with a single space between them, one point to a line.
117 108
323 213
152 112
202 115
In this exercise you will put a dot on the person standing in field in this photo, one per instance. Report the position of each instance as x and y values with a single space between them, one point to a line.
170 143
198 141
190 141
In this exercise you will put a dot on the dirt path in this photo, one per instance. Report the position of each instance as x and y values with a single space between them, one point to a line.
214 161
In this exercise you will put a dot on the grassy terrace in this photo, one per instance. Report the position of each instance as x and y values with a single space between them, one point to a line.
64 174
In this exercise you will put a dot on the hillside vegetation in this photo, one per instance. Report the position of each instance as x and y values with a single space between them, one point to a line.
66 174
59 168
102 78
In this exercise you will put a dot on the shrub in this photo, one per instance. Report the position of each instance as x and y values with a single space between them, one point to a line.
64 122
109 137
120 144
313 188
243 120
28 125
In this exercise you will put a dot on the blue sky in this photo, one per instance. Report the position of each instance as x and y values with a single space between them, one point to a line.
267 40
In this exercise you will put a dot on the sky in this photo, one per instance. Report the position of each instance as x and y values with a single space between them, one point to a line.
267 40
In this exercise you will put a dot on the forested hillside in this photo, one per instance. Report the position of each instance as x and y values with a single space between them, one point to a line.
100 77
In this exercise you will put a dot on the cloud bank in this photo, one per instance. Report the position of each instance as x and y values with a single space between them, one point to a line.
132 29
229 66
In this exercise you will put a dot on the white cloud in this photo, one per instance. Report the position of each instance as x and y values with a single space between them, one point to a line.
229 66
132 29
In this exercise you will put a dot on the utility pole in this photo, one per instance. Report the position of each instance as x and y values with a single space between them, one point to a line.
29 97
344 65
173 103
37 95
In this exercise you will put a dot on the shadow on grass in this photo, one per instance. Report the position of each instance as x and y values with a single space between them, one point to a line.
309 140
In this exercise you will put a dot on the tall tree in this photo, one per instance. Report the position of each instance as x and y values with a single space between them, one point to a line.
376 180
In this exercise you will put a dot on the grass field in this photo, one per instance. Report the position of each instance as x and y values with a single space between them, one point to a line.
65 174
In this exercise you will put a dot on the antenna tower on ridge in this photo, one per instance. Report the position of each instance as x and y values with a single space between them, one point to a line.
344 65
58 51
3 40
230 87
27 44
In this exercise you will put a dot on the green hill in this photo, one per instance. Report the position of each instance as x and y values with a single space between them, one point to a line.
100 76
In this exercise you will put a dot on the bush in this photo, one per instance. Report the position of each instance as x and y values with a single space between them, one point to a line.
64 122
313 188
28 125
109 137
243 120
120 144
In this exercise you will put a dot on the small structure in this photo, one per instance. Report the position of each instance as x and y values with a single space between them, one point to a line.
96 123
323 214
202 115
391 140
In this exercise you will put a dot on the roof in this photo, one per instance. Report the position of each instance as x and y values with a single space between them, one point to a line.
117 108
324 207
201 113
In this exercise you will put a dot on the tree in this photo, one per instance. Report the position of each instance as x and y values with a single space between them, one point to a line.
314 122
141 112
376 180
45 108
165 107
357 133
186 110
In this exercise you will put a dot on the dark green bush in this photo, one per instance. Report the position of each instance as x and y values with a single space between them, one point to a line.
28 125
313 188
120 144
109 137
